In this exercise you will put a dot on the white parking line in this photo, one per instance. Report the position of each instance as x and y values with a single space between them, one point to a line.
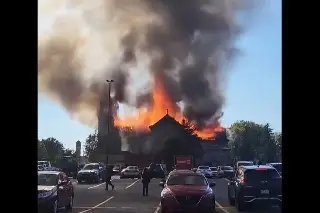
157 209
91 187
132 184
96 186
222 208
226 179
96 206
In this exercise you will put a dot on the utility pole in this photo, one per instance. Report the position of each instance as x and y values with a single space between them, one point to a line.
108 126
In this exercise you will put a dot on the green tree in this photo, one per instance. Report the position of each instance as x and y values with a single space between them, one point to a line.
42 152
54 148
90 146
252 141
69 152
278 143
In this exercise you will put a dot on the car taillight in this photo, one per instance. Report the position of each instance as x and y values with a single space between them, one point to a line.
261 169
242 182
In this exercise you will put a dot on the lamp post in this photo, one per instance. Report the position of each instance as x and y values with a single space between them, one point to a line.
108 126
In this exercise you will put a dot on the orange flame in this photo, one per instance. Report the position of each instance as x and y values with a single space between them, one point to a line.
160 106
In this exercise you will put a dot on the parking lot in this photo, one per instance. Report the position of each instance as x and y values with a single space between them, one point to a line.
127 197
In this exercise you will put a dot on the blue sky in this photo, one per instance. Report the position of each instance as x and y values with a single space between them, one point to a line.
253 91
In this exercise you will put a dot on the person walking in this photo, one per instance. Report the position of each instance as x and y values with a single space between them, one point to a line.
109 172
145 181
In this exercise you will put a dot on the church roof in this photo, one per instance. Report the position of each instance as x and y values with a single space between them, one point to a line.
165 120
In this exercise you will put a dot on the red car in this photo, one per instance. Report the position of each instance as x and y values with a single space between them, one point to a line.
187 191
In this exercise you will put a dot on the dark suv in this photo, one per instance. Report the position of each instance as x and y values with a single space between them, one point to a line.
156 171
260 185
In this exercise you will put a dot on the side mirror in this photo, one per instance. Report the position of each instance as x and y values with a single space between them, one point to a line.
212 184
161 184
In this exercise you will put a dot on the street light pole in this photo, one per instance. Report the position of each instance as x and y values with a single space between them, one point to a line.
108 126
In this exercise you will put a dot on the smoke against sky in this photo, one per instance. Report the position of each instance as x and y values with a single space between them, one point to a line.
184 44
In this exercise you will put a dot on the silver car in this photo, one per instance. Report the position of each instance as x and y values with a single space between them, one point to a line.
130 172
205 170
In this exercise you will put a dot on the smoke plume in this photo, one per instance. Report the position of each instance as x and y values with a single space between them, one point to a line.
186 44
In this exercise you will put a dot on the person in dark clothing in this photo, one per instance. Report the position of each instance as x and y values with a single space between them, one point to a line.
145 181
109 173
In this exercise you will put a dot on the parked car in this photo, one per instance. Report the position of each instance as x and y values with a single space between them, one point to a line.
205 170
156 171
185 190
55 191
40 168
92 172
242 163
277 166
256 184
225 171
130 172
214 171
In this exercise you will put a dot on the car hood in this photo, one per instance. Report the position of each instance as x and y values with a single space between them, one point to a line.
45 188
186 189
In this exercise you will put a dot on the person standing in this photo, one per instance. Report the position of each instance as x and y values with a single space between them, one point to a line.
109 172
145 181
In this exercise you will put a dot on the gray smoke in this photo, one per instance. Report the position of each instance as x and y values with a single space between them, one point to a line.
185 44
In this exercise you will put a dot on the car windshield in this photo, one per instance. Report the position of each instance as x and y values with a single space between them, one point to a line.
226 168
90 167
278 167
47 179
43 164
261 175
213 168
187 180
204 167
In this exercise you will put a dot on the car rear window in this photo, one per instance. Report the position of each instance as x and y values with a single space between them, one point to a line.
245 164
278 167
182 179
261 174
133 168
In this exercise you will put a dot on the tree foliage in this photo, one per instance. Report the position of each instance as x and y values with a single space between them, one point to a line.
252 141
42 151
69 152
53 147
90 144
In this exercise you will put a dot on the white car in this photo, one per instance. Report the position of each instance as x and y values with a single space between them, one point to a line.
214 171
205 170
130 172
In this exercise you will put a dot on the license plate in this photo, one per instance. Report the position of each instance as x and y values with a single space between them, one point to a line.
264 192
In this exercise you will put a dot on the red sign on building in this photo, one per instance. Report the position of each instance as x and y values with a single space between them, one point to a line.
183 162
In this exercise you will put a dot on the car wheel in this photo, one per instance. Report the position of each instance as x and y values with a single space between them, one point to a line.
54 207
70 205
240 205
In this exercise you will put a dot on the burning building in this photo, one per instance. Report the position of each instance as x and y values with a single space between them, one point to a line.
182 49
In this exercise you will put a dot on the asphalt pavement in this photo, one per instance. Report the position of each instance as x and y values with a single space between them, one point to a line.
127 197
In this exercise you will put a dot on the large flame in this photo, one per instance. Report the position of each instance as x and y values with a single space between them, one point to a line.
161 105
